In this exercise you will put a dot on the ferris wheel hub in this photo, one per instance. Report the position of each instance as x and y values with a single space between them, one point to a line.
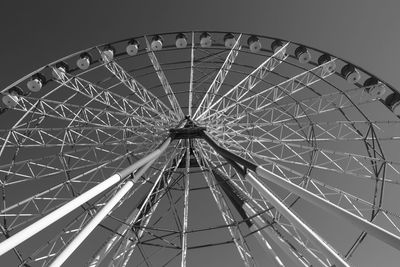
187 132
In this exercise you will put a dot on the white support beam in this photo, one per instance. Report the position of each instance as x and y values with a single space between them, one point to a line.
107 247
314 238
228 217
84 233
62 211
285 247
122 232
276 262
185 205
363 224
126 248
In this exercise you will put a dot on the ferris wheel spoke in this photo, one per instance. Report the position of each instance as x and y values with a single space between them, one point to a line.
18 122
95 93
351 203
289 242
79 137
348 201
70 161
131 240
192 56
290 216
219 78
308 107
46 253
247 83
322 131
282 135
279 234
228 171
376 231
148 209
102 213
69 233
230 221
185 207
278 92
332 161
140 215
60 212
40 204
35 169
164 82
81 114
148 99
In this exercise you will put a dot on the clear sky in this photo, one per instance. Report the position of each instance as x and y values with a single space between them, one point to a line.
34 33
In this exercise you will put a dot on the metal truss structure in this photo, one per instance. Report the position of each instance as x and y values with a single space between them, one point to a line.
211 147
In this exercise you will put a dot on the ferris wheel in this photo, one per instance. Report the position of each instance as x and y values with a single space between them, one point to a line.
198 148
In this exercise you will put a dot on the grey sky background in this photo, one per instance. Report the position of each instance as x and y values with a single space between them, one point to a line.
365 32
33 33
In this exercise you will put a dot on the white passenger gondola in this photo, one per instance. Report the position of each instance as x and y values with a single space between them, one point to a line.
84 61
328 64
254 44
108 53
60 69
375 88
393 102
302 54
276 46
205 40
132 48
229 40
12 98
36 82
350 73
156 43
181 40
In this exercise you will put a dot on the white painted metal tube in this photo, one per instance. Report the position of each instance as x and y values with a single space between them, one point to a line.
276 239
357 221
107 247
57 214
63 256
84 233
314 238
267 247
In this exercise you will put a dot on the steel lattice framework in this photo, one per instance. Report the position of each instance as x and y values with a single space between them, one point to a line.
150 150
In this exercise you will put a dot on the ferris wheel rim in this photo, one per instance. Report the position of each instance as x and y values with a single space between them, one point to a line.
126 39
214 95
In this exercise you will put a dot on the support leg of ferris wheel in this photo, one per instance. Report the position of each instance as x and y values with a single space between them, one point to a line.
122 231
62 211
314 238
361 223
111 242
294 250
77 241
260 223
185 205
126 248
227 216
